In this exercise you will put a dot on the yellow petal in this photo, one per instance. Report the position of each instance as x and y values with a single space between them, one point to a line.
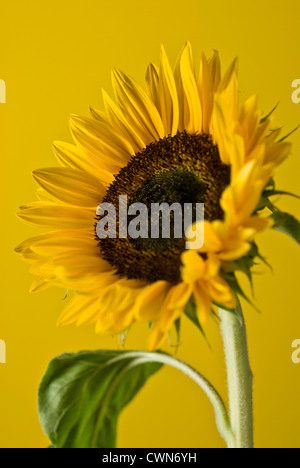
214 67
137 108
203 303
45 196
230 97
231 145
220 292
51 246
193 266
71 186
79 310
205 92
116 322
156 338
229 75
100 141
212 242
151 300
168 101
56 216
178 298
240 199
190 113
83 278
258 223
152 80
277 153
233 251
119 122
40 284
88 234
72 156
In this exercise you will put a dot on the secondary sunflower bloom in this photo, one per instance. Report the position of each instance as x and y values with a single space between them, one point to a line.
185 140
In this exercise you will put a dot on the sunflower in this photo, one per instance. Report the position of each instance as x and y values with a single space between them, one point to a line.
184 139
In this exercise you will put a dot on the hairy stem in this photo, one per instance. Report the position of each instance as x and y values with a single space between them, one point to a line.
222 418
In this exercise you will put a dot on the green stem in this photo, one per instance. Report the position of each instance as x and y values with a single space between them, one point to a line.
222 419
239 377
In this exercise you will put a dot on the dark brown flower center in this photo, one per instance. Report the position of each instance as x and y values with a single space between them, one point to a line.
185 168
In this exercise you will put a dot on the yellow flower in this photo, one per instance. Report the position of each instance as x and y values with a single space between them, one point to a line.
185 139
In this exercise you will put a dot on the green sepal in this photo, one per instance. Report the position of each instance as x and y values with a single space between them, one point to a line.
264 260
191 312
243 264
232 281
286 223
177 325
263 119
271 191
289 134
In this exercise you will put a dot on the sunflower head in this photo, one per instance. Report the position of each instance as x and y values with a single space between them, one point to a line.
185 140
183 169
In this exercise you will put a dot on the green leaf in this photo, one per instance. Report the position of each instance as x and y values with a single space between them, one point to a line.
82 395
287 224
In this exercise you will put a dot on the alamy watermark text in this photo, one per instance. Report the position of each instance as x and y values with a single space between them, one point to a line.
164 221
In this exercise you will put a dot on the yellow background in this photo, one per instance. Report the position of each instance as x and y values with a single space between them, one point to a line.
55 57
